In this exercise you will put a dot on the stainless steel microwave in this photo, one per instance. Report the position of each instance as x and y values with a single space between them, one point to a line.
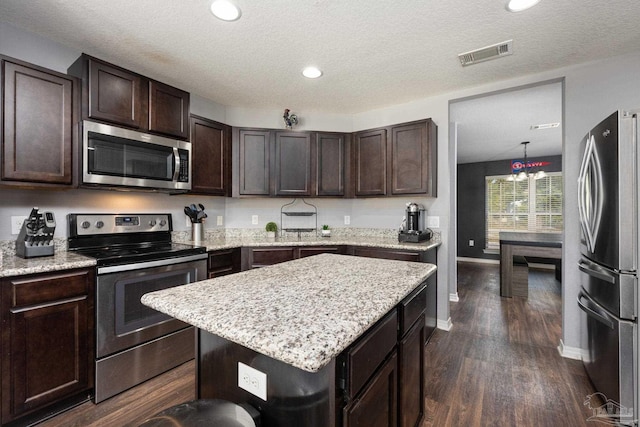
114 156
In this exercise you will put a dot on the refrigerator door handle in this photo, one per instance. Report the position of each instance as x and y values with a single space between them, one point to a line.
596 313
590 197
595 270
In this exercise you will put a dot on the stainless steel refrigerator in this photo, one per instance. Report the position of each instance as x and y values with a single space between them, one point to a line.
608 208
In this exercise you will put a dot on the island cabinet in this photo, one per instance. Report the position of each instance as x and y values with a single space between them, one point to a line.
40 110
116 95
47 342
223 262
396 160
211 157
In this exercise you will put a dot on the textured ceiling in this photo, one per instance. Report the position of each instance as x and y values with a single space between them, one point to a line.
492 127
373 53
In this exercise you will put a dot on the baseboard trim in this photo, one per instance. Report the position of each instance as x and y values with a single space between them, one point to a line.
454 297
478 260
445 325
567 352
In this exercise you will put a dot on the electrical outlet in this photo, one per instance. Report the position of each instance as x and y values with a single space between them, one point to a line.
347 220
16 223
434 222
254 219
219 220
472 243
252 380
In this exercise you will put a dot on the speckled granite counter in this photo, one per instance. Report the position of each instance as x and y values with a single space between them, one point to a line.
302 312
11 265
379 242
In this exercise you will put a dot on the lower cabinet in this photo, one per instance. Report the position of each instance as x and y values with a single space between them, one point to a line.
47 340
399 255
223 262
261 257
410 376
377 405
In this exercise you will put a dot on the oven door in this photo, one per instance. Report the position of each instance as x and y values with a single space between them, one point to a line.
122 321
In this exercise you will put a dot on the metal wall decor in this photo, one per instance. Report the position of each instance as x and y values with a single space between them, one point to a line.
290 120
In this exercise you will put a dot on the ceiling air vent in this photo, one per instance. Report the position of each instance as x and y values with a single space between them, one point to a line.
486 53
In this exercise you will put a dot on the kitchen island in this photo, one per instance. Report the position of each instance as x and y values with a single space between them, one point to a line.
329 331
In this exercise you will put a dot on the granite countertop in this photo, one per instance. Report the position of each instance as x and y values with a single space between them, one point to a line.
379 242
11 265
303 312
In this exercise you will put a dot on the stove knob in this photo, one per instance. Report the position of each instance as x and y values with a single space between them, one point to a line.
99 224
163 222
152 223
85 224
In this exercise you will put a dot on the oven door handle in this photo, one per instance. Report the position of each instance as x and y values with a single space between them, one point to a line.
149 264
599 315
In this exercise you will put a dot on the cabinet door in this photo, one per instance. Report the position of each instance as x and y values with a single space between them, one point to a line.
411 375
38 124
254 162
330 164
211 157
411 159
223 262
386 254
370 163
270 256
292 172
117 95
377 405
168 110
47 340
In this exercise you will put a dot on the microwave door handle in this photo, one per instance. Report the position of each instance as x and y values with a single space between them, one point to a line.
596 271
176 164
599 315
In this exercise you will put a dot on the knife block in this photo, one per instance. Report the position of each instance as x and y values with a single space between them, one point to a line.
30 244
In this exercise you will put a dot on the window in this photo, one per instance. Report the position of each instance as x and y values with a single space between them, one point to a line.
531 205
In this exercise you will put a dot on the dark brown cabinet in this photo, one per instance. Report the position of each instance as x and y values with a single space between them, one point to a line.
413 158
168 110
377 405
331 164
396 160
399 255
116 95
211 157
39 116
260 257
370 163
47 340
223 262
293 163
253 169
410 373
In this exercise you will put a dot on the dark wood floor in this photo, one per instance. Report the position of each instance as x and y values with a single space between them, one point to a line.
498 366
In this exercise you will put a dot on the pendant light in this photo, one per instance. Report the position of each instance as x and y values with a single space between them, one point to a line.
526 169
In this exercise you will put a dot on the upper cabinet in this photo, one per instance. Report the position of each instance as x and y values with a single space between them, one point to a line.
39 116
287 163
120 96
293 163
211 157
396 160
370 160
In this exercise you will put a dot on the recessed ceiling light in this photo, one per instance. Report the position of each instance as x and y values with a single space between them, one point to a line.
311 72
225 10
520 5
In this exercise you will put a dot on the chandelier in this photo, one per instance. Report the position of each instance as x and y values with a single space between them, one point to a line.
527 169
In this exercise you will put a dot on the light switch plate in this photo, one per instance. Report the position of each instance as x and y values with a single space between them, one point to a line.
252 380
16 223
433 221
347 220
219 220
254 219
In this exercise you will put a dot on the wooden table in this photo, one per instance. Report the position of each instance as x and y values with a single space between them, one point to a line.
543 245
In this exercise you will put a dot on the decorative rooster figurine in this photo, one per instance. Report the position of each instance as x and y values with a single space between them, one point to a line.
290 120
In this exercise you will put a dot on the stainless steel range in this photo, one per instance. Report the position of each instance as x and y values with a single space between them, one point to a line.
134 256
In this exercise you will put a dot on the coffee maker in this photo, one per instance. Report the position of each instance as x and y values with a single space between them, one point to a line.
413 229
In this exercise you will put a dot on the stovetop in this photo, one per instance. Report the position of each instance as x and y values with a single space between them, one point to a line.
142 252
116 239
